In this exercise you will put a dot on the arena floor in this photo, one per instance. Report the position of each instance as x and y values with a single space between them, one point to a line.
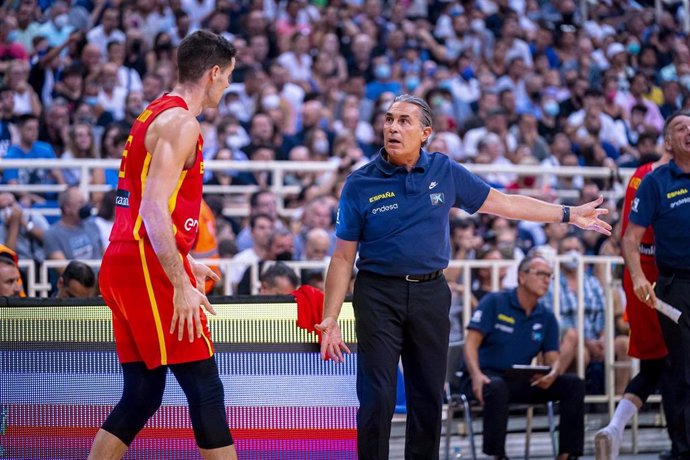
651 439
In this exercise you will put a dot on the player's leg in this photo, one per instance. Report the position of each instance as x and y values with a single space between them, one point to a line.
141 397
204 390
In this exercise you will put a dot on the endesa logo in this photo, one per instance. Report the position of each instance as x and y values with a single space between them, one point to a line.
386 208
190 223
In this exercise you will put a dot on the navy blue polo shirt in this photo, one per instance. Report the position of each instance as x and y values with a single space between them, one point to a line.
400 218
663 201
510 336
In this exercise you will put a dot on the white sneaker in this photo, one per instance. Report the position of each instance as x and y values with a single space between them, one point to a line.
607 444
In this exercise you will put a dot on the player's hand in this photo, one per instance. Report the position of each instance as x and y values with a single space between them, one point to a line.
478 382
332 345
186 314
644 291
586 217
201 272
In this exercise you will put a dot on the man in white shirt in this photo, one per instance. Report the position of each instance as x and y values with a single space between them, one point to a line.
106 31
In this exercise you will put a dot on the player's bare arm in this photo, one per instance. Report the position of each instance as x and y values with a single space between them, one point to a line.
171 139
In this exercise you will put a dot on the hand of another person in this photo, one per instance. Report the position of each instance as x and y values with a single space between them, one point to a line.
644 291
186 304
332 345
478 383
201 272
586 217
545 381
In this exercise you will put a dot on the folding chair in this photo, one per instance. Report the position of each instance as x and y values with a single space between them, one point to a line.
458 401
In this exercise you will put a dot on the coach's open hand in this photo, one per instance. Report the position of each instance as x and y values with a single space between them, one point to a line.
332 345
587 215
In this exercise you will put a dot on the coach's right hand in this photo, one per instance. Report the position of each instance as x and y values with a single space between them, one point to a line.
332 345
187 302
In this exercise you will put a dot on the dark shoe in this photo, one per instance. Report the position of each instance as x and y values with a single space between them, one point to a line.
666 455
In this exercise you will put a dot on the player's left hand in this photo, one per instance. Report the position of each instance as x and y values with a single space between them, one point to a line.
201 272
586 217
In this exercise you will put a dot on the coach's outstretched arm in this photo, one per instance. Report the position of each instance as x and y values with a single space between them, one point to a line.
337 281
521 207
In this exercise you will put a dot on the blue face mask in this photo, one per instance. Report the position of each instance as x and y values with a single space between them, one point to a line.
634 48
467 73
382 72
411 82
551 108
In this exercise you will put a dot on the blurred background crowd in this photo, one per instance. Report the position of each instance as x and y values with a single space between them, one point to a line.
510 82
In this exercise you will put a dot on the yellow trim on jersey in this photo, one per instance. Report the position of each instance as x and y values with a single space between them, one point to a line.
144 175
144 116
154 304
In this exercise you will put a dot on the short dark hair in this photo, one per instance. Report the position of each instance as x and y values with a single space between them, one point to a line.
673 116
279 270
24 118
199 52
253 219
254 197
79 272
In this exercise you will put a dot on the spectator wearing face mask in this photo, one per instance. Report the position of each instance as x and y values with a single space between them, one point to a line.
75 235
572 247
383 79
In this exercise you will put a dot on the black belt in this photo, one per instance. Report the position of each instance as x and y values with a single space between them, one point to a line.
411 278
675 273
422 278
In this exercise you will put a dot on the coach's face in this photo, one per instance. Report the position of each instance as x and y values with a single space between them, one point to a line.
403 133
678 138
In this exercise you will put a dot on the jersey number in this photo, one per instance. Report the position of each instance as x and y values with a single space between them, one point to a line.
121 173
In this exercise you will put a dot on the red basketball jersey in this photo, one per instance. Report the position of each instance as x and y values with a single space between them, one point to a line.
647 242
185 202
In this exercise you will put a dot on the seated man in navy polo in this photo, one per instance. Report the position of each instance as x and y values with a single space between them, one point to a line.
508 328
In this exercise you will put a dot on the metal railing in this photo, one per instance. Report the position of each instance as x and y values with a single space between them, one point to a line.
279 169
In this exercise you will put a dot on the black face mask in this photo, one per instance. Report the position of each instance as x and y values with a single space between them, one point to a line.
283 256
85 212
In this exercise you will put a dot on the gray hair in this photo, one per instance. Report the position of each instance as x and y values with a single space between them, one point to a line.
424 109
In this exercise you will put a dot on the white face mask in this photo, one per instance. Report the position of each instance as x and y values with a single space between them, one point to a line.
234 141
61 21
321 147
570 263
270 102
236 108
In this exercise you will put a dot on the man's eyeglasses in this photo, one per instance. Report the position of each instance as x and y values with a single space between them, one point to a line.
541 274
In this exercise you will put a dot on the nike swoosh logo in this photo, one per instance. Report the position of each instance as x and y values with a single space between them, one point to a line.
432 185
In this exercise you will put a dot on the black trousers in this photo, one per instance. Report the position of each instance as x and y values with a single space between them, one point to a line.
395 318
676 391
567 389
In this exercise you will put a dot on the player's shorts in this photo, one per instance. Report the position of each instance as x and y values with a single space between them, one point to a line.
646 340
140 296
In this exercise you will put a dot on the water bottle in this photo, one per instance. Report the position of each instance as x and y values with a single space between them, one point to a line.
457 453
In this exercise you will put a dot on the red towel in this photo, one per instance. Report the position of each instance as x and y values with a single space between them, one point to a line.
309 307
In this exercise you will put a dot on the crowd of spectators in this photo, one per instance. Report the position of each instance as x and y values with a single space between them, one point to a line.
510 82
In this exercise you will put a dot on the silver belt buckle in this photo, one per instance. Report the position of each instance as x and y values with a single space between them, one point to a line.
410 280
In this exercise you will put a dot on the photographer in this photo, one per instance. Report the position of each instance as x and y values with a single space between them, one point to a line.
21 230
